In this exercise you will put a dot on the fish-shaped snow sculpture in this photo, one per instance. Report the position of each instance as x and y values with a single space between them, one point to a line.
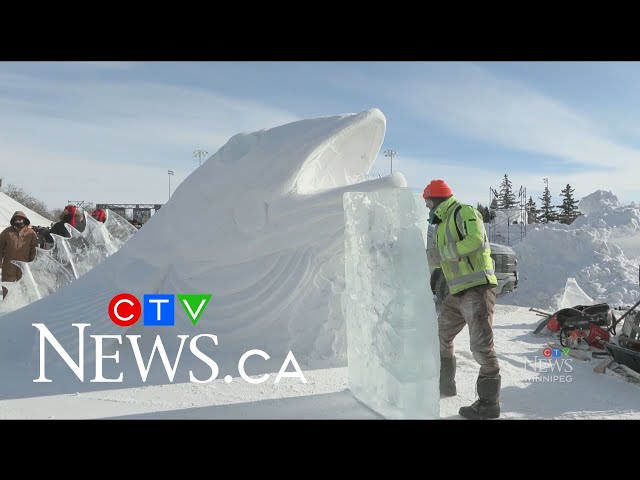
259 226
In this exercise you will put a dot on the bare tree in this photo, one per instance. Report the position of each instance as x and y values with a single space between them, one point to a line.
28 200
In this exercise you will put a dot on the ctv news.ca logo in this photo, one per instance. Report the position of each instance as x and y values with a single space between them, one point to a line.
156 310
553 366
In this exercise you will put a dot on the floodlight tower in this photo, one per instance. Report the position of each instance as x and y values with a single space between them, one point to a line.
199 154
170 173
390 153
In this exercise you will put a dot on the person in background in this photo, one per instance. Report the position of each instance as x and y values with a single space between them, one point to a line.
461 249
17 242
99 215
81 221
40 233
70 216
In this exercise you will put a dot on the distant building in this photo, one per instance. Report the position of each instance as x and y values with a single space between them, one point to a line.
141 212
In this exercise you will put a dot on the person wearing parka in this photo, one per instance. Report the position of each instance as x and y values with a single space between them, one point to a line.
17 242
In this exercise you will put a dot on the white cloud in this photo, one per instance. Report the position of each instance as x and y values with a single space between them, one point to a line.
58 177
54 136
470 100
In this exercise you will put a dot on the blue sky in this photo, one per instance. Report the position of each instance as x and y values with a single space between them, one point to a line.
107 132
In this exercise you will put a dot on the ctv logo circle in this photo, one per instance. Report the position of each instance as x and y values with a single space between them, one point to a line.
555 352
125 309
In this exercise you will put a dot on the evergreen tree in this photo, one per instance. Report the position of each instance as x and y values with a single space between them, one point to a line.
493 207
532 211
547 211
484 211
568 210
507 197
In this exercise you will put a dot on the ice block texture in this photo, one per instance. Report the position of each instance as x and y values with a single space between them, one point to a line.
392 329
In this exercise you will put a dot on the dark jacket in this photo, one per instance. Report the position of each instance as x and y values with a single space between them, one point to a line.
59 229
71 216
16 244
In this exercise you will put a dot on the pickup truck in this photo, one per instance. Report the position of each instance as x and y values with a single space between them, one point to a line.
505 266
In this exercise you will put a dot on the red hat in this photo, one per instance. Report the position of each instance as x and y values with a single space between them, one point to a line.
72 210
99 215
437 188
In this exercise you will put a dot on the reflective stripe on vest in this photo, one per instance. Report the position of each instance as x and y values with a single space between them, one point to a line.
481 247
452 250
471 277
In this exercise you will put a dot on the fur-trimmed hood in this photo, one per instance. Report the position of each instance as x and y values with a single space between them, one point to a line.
20 214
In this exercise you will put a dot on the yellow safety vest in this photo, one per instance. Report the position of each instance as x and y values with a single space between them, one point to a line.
463 245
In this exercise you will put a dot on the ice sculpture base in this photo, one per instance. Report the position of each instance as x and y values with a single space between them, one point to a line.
392 329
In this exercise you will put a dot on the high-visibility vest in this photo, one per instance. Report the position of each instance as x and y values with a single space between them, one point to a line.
463 245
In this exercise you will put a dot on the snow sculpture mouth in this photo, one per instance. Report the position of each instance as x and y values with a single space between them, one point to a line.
345 158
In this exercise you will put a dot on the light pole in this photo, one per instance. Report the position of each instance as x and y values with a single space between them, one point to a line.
170 174
390 153
199 154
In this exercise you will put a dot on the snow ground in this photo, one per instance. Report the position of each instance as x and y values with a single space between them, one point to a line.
326 395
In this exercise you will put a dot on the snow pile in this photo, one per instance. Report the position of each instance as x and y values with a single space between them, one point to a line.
8 206
598 202
603 210
597 249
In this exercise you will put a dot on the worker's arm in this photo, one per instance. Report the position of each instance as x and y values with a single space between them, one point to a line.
471 227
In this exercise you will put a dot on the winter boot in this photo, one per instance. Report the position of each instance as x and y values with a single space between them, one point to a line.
488 404
447 376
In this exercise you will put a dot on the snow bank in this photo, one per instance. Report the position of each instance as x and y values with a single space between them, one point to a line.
598 202
599 249
603 210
